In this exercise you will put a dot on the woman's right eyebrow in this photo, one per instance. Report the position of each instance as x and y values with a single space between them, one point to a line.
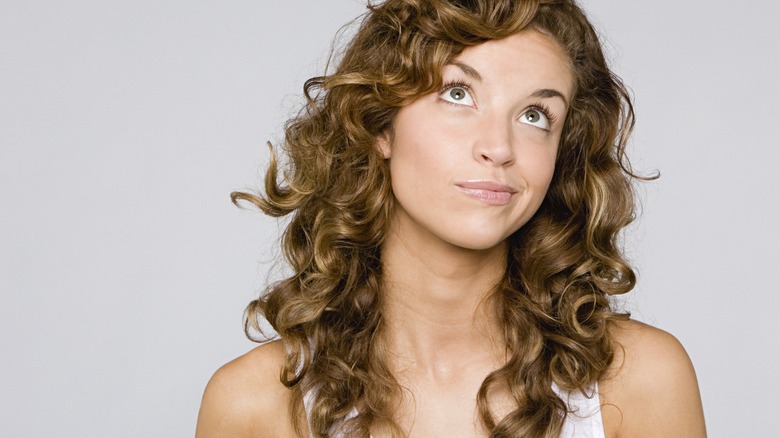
469 70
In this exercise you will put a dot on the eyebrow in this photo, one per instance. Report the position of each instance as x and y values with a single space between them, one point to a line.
469 70
544 93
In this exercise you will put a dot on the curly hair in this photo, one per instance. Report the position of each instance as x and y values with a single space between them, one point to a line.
563 265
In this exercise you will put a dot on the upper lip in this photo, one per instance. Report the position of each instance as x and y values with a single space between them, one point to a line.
486 185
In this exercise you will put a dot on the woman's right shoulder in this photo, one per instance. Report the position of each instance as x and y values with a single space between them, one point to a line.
246 398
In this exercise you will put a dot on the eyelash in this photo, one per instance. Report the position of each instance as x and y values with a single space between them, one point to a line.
544 109
539 106
455 84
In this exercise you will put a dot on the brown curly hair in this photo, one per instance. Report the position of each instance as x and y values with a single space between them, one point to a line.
562 266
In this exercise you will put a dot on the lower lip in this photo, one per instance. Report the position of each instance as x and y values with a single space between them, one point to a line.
488 196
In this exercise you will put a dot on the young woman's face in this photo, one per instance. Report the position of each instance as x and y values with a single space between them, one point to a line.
472 163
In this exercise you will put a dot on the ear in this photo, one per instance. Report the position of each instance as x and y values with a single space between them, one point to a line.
383 142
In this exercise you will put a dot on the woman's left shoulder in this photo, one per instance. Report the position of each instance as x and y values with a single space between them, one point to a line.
650 389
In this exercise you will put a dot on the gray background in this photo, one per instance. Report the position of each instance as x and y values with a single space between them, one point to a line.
124 269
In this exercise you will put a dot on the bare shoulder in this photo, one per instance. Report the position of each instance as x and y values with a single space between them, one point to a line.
245 397
651 388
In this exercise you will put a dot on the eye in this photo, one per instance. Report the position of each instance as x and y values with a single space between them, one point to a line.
536 117
457 94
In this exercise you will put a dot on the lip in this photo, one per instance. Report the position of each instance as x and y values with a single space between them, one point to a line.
489 192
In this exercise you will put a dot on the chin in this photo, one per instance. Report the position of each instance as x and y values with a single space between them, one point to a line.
481 235
478 241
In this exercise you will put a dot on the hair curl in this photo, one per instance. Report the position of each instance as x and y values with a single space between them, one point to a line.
562 265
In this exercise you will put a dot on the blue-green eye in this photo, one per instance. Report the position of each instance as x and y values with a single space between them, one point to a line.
536 117
458 95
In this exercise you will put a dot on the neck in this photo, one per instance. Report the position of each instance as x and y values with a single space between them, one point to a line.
439 318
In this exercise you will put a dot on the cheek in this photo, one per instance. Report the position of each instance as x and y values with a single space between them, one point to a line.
419 169
537 168
421 153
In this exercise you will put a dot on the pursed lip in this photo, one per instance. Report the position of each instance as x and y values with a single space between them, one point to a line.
489 192
486 185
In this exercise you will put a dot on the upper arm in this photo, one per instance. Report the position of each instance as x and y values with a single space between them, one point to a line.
246 398
651 389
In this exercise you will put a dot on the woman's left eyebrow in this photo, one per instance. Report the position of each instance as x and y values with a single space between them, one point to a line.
546 93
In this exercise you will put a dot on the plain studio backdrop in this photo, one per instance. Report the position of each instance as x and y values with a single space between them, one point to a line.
124 125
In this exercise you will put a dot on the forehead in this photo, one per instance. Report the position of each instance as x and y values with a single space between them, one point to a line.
528 57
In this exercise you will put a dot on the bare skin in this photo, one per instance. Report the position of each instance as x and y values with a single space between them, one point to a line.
650 392
651 388
445 251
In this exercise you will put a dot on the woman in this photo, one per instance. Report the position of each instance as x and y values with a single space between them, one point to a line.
456 188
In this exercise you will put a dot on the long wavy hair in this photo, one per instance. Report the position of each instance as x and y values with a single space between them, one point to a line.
562 266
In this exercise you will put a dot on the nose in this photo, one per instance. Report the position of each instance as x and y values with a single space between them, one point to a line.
493 144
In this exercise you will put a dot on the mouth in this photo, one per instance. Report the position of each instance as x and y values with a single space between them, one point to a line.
489 192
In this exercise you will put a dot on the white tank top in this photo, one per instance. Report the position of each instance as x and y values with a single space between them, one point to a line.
584 417
583 420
